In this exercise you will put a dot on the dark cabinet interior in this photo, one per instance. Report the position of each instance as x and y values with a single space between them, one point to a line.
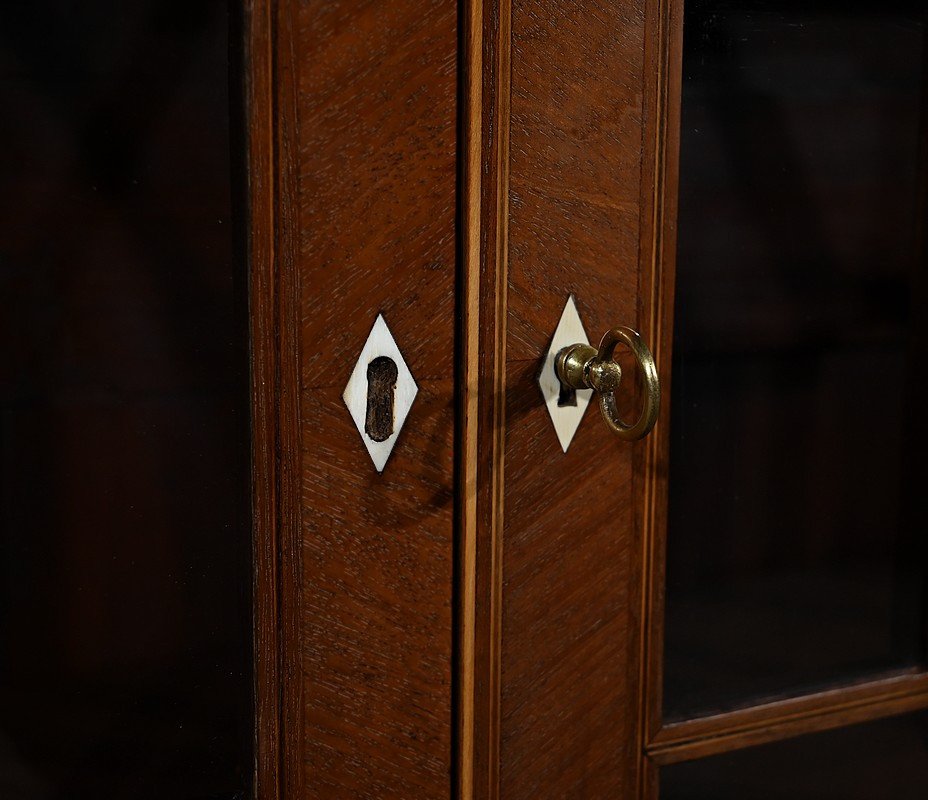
125 610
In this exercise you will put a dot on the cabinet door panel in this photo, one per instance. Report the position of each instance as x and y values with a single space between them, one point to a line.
568 569
369 187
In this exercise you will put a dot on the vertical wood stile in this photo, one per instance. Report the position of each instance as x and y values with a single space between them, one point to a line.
484 193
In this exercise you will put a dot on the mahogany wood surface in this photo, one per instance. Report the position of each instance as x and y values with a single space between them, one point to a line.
484 201
259 106
665 21
543 230
375 149
568 678
483 619
272 208
364 181
479 400
663 44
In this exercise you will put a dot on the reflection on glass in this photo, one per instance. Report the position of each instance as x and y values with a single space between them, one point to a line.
886 759
124 521
797 512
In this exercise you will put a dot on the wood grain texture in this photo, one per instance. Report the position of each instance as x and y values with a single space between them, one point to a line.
662 139
568 676
467 442
289 451
272 403
471 68
374 144
463 182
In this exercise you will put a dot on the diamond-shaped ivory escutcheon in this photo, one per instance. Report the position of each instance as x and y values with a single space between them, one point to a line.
369 400
566 411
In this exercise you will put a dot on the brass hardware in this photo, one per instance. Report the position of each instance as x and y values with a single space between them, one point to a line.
580 366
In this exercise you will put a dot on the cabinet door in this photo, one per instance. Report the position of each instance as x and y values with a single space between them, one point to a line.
744 184
459 598
462 618
789 541
563 186
467 592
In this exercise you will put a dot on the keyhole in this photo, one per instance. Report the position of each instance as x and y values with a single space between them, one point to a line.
381 383
566 396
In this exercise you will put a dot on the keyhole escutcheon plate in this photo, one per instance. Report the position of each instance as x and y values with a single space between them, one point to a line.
380 393
565 407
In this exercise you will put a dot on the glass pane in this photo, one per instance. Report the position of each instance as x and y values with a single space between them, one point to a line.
885 760
797 510
124 515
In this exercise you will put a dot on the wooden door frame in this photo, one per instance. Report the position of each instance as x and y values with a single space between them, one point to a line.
768 722
273 35
274 402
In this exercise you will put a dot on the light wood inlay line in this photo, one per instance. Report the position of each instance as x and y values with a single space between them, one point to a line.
484 253
471 209
503 94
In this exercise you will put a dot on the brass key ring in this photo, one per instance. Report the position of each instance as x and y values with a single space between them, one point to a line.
580 366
